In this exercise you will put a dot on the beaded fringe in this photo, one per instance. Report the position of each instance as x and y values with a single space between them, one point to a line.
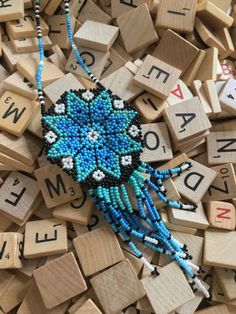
144 223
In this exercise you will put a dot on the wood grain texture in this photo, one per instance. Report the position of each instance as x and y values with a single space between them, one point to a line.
227 282
179 93
11 244
227 96
193 69
119 7
98 250
89 307
59 280
111 291
208 68
221 215
13 11
6 279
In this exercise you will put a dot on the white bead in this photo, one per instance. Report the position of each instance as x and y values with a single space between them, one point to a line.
67 163
118 104
126 160
59 108
87 95
98 175
50 137
133 131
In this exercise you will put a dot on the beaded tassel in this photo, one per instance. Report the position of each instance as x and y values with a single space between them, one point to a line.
96 138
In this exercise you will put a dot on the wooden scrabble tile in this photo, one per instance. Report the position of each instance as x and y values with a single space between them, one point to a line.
193 69
137 29
228 70
5 223
221 215
89 307
90 11
11 253
157 77
16 112
225 37
183 119
25 149
193 184
6 279
212 95
95 59
114 62
172 194
198 90
56 186
213 16
208 68
181 56
58 58
19 84
96 35
63 276
67 82
217 309
179 93
73 308
18 195
78 211
227 96
121 82
227 282
45 237
177 15
113 280
29 44
15 164
11 10
221 4
174 162
51 7
136 263
223 254
150 107
197 219
98 250
121 7
221 147
170 276
156 142
28 68
25 27
33 303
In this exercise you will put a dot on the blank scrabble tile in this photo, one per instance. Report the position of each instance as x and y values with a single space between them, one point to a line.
98 250
179 93
227 282
122 294
17 196
157 77
63 277
223 254
171 287
11 249
56 186
96 35
212 95
137 29
176 14
182 54
183 119
208 68
221 147
194 183
221 215
89 307
45 237
78 211
228 96
156 142
11 10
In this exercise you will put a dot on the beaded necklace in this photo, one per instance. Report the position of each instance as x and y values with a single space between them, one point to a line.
95 137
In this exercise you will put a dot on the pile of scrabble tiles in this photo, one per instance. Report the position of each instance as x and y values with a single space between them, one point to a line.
175 61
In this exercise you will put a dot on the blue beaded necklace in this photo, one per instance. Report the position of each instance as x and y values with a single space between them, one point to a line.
95 137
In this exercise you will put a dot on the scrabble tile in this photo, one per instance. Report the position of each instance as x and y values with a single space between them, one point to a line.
150 107
45 237
157 77
114 62
198 90
136 263
222 254
225 37
11 244
174 162
90 11
170 276
179 93
208 68
96 35
51 7
6 278
11 10
156 142
193 184
113 280
18 195
228 70
172 194
98 250
137 29
183 119
25 27
181 56
25 149
221 215
5 223
89 307
177 15
95 59
15 164
193 69
227 282
227 96
224 185
121 7
28 68
63 276
212 95
29 44
217 309
197 219
58 58
221 147
56 186
16 112
221 4
213 16
78 211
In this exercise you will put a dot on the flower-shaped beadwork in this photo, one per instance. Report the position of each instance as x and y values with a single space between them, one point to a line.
94 136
